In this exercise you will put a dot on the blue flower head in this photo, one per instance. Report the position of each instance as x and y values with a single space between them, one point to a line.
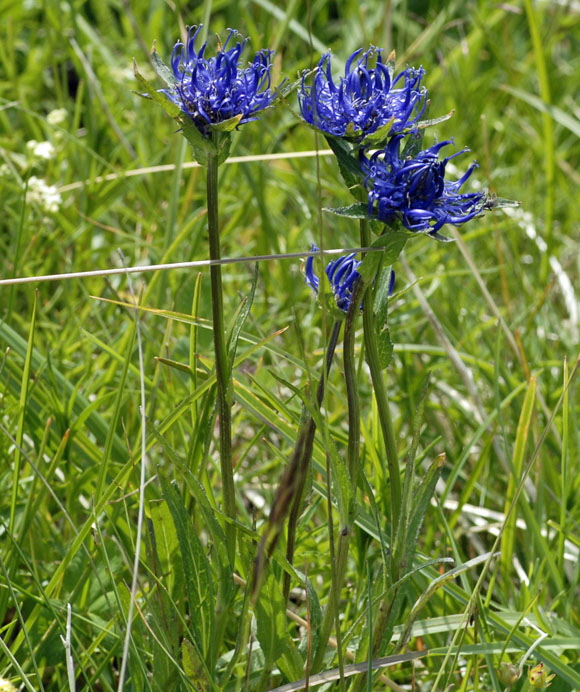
214 90
366 99
414 191
342 274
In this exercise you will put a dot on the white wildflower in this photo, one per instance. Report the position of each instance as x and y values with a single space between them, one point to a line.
57 117
6 686
40 150
46 196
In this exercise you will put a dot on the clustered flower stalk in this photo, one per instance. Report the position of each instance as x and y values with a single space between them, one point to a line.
209 98
373 121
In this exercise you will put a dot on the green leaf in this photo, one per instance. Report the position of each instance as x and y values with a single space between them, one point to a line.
226 125
163 70
381 297
421 503
240 318
271 623
359 210
392 243
423 124
193 666
172 109
385 347
196 571
522 435
347 161
379 136
203 147
500 203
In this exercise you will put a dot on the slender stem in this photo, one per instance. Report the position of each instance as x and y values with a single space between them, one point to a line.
350 378
380 389
309 429
288 499
353 453
391 603
330 612
222 367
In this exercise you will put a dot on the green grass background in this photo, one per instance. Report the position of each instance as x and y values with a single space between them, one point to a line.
504 297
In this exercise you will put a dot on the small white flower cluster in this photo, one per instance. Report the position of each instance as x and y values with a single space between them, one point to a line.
46 196
6 686
40 151
57 117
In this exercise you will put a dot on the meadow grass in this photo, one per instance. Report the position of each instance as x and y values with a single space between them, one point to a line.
114 569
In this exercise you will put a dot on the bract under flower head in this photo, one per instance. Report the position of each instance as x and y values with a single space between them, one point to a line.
414 190
213 90
365 99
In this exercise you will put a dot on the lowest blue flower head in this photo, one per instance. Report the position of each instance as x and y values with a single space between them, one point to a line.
342 274
414 191
213 90
365 99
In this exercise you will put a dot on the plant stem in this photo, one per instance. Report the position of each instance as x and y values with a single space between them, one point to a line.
288 499
222 366
350 378
307 434
353 453
380 389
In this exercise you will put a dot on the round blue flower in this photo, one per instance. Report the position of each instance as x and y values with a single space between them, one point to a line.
213 90
414 190
342 274
365 99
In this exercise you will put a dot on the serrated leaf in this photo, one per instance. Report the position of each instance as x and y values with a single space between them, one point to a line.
196 571
413 144
271 624
359 210
385 347
172 110
376 138
439 237
421 503
423 124
240 318
392 243
223 147
347 161
163 70
381 297
193 667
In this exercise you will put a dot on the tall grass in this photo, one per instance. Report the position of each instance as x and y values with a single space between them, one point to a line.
482 382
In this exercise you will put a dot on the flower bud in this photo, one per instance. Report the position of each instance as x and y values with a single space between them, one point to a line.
539 678
508 673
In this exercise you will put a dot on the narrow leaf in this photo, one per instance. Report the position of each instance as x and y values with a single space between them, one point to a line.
522 433
163 70
347 161
353 211
196 571
172 109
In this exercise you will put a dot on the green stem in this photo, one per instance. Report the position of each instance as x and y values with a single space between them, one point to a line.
307 436
380 389
222 367
350 378
288 499
353 453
